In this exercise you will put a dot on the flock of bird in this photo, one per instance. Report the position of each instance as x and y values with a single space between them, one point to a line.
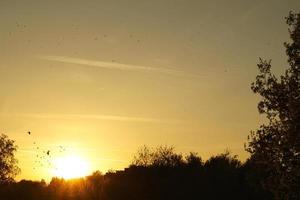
43 156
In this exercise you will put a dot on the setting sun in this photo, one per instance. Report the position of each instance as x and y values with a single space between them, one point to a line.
71 167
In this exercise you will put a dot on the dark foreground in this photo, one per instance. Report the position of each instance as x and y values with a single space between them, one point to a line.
221 177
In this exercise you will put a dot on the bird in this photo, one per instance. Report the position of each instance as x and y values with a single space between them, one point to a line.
29 132
48 152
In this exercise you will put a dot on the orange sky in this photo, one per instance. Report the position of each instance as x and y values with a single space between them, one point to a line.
102 78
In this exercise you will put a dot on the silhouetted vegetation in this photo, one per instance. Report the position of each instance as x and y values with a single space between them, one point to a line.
8 162
275 146
159 173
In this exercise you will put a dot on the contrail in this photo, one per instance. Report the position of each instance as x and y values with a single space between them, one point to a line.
115 65
95 117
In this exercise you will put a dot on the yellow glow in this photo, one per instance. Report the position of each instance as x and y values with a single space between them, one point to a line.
71 167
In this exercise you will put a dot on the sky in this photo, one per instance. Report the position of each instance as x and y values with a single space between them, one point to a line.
102 78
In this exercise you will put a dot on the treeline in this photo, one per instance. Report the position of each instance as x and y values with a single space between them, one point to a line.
153 175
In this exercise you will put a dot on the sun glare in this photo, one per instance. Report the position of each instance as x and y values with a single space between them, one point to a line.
71 167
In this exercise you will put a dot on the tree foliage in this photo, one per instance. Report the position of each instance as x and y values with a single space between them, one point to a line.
276 145
223 161
8 162
162 156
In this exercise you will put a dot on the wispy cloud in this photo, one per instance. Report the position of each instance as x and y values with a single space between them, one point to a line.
91 117
115 65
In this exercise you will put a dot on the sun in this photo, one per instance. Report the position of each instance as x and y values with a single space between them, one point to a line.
69 167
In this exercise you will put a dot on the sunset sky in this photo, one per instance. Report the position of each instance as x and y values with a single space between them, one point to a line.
101 78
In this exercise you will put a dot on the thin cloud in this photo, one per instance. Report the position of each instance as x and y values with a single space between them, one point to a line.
115 65
92 117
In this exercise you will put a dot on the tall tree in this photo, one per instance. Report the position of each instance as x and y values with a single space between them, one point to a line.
276 145
8 162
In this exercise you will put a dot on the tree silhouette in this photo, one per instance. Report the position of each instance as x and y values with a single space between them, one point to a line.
223 176
143 157
220 177
162 156
276 145
8 162
193 160
166 157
